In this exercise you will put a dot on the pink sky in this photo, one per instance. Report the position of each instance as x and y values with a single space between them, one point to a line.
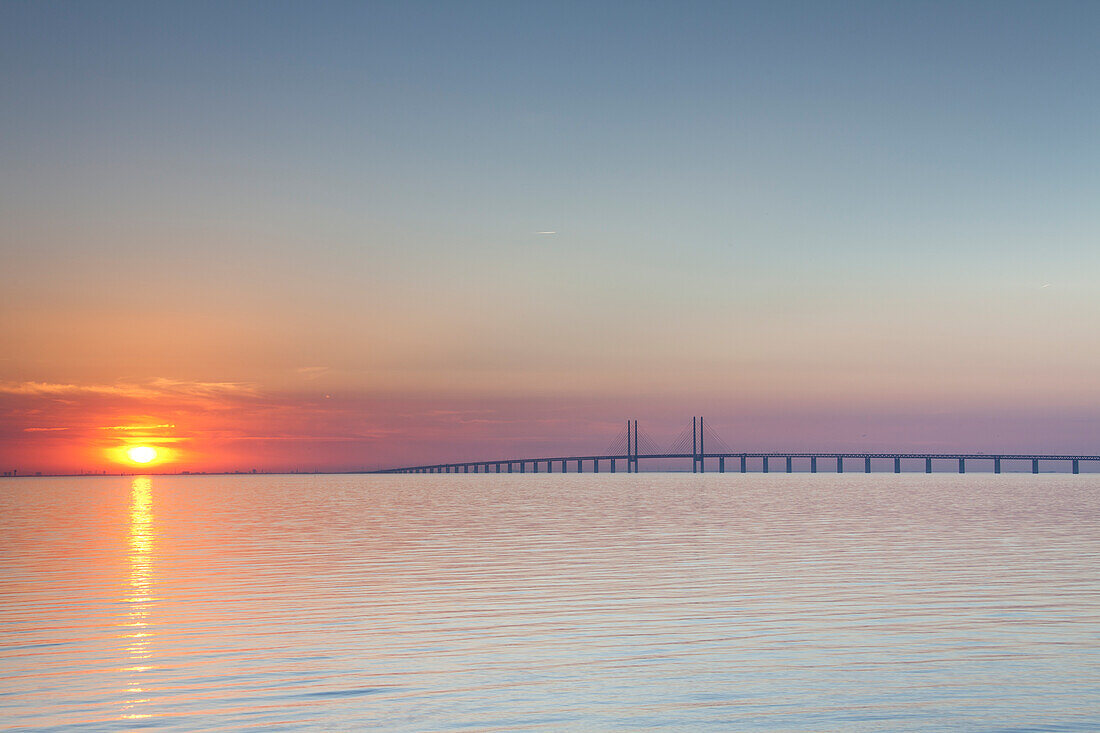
54 427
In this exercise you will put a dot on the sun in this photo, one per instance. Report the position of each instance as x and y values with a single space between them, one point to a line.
141 454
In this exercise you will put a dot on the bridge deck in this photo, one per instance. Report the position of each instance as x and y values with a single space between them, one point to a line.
578 461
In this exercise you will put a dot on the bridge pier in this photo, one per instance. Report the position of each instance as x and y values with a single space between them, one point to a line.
813 464
564 466
721 464
580 466
612 465
534 466
928 465
1035 465
549 466
997 465
743 468
595 465
867 465
765 465
1076 466
789 465
962 465
840 464
897 465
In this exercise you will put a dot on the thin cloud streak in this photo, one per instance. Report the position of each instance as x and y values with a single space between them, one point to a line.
137 427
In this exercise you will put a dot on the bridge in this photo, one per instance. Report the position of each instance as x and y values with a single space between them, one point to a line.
630 448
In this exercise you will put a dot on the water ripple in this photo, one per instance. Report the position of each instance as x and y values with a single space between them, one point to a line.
771 602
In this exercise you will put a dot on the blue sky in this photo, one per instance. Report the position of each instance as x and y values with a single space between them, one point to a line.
845 203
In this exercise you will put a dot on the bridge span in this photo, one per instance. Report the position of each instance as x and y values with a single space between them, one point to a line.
630 455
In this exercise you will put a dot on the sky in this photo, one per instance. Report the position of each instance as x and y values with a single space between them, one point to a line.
332 236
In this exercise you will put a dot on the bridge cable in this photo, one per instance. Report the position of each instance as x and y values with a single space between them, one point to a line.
618 445
714 442
683 442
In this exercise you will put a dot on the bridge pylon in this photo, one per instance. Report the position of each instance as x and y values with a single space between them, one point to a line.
631 447
698 465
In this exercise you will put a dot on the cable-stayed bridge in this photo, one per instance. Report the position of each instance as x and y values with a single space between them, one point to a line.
700 444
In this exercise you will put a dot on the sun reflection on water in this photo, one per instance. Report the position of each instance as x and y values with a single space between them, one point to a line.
138 596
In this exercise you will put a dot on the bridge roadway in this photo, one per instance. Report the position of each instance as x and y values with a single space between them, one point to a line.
699 459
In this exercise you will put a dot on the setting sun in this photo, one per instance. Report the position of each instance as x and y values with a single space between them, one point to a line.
141 454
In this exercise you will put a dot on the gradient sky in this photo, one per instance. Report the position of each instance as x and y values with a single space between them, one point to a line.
298 235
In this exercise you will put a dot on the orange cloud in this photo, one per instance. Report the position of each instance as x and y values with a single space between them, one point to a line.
132 427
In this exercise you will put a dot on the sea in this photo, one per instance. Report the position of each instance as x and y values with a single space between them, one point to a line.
771 602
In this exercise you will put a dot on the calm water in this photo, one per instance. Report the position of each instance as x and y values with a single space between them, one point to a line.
770 602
